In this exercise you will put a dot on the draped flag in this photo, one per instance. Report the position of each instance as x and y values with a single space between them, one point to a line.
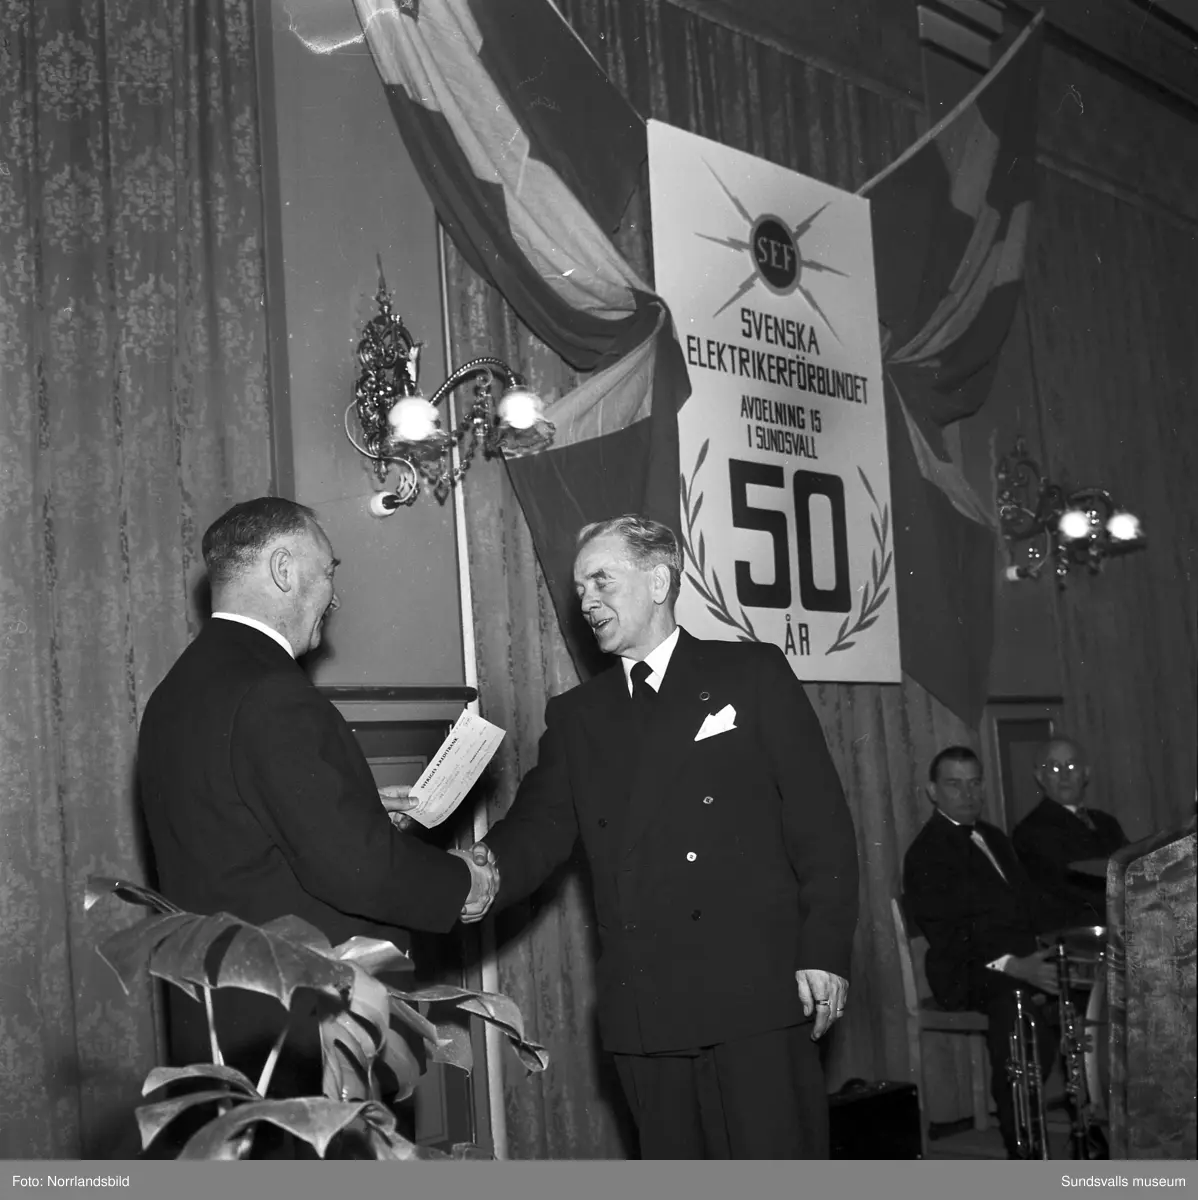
530 154
950 220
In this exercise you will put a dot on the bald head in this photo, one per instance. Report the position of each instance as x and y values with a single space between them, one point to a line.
1062 770
269 559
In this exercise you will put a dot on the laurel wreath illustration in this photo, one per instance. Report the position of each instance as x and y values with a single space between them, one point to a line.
711 593
707 583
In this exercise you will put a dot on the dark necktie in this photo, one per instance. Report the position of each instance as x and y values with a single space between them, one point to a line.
642 693
1084 817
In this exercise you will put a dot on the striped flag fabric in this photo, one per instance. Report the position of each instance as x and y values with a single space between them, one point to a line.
530 155
950 222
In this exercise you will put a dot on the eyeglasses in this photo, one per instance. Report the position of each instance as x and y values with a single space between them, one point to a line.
1065 768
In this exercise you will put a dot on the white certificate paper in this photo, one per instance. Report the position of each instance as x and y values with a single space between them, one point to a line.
455 768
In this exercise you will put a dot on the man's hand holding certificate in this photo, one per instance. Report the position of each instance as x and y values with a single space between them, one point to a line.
453 771
446 780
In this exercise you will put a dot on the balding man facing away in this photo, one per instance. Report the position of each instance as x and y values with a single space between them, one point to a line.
258 799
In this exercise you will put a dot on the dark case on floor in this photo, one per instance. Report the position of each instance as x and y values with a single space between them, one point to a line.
874 1120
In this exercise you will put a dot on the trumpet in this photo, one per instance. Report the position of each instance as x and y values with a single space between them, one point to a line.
1086 1139
1023 1069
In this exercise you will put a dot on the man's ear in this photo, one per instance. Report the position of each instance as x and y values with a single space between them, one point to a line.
661 583
930 788
282 568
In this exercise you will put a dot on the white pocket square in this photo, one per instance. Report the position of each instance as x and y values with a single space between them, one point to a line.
719 722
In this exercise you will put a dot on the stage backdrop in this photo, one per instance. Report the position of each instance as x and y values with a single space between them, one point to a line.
785 487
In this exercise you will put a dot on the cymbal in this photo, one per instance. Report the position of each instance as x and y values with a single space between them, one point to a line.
1080 937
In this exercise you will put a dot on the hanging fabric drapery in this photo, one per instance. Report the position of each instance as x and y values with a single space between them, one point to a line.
497 148
950 220
133 410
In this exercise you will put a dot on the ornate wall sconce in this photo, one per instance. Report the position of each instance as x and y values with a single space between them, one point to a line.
1044 523
402 429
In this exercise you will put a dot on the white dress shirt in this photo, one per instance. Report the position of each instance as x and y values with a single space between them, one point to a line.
975 836
658 659
258 625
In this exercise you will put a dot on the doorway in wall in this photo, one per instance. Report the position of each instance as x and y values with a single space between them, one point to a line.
1013 728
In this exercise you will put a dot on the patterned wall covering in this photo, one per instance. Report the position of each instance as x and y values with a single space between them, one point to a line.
133 409
684 70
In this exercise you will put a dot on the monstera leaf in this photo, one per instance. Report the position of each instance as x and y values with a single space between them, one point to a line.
316 1120
496 1009
99 886
376 1035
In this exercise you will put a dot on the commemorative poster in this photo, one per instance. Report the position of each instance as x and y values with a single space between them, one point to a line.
786 513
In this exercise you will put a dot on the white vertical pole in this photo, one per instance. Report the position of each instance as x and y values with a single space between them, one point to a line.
486 927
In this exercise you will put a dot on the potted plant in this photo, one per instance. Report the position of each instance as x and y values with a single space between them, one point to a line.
371 1024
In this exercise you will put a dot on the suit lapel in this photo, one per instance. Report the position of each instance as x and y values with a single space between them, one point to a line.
668 737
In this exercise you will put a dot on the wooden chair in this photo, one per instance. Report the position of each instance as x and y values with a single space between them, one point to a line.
924 1015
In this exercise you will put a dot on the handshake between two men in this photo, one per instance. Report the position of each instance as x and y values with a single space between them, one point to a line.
484 872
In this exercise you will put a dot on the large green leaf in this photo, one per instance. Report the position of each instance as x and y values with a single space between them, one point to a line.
296 929
222 951
402 1061
373 955
315 1120
348 1053
403 1012
152 1119
395 1147
161 1076
99 886
453 1046
501 1011
130 951
492 1007
370 1002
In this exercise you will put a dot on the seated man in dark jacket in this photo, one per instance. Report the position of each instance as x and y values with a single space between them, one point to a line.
1061 830
964 889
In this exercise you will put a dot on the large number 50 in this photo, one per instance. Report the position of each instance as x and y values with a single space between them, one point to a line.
751 594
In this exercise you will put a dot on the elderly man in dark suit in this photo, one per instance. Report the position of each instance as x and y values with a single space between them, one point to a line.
1062 830
723 858
965 890
259 801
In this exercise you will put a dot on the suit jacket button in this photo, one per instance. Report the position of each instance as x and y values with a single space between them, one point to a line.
691 856
696 915
602 822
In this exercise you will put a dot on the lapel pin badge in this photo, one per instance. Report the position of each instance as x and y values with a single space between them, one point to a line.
704 695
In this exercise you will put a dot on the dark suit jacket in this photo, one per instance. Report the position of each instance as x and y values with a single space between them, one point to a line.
1050 837
969 915
259 803
720 867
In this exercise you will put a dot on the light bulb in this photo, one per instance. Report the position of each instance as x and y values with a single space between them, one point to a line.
1124 527
1074 524
519 408
413 419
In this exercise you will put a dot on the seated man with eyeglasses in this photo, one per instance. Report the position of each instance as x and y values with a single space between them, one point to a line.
1061 831
965 891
